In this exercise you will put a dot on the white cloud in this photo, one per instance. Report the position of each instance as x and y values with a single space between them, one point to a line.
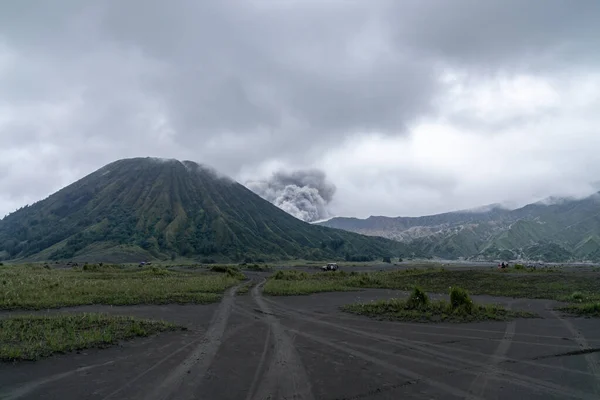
409 107
444 165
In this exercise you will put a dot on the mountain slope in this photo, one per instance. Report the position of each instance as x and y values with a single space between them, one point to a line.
561 230
143 207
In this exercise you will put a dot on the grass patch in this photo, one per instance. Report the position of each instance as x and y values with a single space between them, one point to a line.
32 337
418 308
292 282
577 297
245 288
36 287
256 267
232 272
292 288
291 275
591 309
556 286
520 268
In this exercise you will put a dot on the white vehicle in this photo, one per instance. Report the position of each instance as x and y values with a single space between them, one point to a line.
330 267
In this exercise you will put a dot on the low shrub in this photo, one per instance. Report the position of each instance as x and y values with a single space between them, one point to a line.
257 267
290 275
99 267
158 271
230 271
418 298
460 299
585 309
577 297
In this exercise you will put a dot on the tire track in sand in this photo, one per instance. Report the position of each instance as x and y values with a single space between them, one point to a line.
413 377
182 382
286 377
29 387
480 382
590 358
441 357
259 367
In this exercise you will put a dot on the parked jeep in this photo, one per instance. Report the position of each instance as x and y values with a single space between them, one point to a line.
330 267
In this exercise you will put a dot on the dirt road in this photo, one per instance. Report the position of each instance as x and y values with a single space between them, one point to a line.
257 347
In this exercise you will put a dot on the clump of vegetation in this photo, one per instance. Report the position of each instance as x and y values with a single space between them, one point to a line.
530 269
591 309
100 267
257 267
577 297
460 299
32 337
290 275
555 286
418 298
299 282
157 271
36 288
418 308
245 288
230 271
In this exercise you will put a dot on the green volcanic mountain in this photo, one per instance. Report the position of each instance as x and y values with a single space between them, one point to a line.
553 230
147 208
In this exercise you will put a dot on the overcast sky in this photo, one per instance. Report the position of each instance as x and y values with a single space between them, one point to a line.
409 107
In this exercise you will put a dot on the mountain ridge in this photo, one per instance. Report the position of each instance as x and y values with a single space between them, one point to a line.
554 229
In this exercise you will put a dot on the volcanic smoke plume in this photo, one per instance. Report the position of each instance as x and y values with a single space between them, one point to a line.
304 194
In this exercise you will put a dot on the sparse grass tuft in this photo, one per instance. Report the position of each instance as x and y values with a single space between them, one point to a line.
577 297
245 288
101 267
257 267
290 275
585 309
36 288
232 272
32 337
419 309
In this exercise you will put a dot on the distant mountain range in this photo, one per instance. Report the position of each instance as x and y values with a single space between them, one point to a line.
146 208
554 230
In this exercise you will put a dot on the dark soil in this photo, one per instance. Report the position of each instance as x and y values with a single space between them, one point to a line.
257 347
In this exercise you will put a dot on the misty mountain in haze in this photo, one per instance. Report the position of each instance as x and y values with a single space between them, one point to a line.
147 208
555 229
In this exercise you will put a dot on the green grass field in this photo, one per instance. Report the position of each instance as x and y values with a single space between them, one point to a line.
32 337
418 308
556 285
35 287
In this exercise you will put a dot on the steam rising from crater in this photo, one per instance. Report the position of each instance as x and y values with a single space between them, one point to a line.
304 194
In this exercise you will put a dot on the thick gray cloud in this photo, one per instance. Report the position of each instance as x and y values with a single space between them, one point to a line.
256 86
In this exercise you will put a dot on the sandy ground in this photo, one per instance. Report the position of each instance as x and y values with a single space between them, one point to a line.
302 347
